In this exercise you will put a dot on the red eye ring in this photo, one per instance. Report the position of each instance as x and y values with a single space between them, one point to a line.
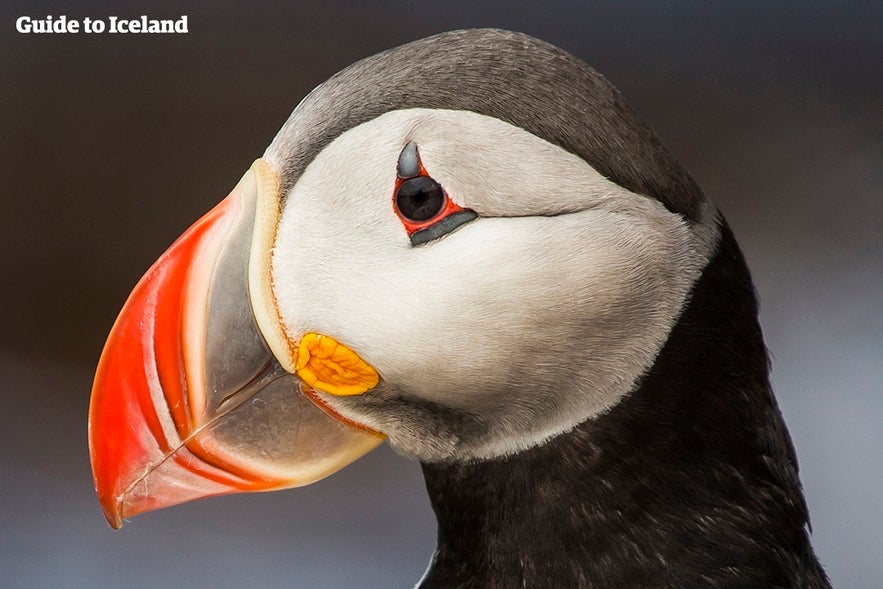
415 209
421 203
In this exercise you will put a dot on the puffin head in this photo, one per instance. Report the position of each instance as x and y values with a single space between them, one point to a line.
467 245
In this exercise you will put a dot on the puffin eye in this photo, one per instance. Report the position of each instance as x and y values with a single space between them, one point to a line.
421 203
420 199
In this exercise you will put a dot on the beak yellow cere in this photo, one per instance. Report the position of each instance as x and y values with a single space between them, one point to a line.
324 363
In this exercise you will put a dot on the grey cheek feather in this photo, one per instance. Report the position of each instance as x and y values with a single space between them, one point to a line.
537 400
419 428
409 162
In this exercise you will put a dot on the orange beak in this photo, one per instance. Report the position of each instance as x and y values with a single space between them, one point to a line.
188 399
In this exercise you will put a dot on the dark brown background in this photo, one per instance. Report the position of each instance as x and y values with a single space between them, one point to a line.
112 145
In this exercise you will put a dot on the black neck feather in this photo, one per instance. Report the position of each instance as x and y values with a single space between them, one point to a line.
691 481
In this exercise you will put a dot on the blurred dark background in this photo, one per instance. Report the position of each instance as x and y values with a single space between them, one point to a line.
113 144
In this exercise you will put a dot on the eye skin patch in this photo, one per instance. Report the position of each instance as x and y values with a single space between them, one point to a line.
409 162
443 227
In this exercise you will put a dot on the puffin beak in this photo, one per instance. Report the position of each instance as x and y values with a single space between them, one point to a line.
195 393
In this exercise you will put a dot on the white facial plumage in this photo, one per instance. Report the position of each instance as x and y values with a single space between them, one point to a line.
539 314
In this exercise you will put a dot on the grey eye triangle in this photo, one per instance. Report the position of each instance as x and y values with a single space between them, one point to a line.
409 162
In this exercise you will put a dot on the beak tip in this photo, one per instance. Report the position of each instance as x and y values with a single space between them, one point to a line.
113 519
111 508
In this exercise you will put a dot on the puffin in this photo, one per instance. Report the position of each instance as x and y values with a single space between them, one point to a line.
469 247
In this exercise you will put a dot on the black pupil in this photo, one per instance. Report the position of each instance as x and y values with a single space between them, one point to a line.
420 198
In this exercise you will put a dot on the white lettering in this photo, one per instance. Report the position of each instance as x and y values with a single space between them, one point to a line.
26 24
72 26
62 24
